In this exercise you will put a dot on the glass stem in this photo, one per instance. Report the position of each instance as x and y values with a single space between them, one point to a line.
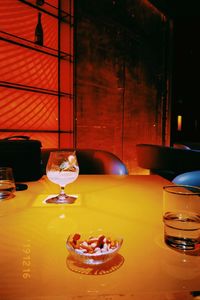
62 191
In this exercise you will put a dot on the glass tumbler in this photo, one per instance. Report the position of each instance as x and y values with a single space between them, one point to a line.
7 183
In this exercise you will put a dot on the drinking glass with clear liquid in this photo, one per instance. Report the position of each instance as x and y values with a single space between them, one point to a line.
7 183
181 217
62 169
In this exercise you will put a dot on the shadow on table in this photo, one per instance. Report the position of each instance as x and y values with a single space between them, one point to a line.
102 269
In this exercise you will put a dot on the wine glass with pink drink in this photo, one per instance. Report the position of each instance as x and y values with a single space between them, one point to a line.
62 169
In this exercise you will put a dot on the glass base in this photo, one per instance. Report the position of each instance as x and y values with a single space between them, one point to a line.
61 199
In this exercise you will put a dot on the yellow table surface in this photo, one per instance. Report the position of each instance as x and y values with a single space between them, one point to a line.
34 261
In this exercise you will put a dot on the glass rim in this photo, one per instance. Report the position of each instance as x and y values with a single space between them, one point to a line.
189 189
62 150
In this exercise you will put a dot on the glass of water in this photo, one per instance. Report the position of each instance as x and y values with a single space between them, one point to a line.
7 183
181 217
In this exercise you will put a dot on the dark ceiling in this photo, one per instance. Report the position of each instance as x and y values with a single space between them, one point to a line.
178 8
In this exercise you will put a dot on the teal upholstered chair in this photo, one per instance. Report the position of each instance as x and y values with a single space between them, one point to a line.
189 178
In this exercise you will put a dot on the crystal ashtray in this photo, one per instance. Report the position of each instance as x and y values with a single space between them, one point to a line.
94 248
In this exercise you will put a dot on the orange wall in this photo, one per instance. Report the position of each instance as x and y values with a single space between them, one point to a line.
120 77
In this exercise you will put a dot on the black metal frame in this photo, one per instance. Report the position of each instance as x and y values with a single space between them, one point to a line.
60 55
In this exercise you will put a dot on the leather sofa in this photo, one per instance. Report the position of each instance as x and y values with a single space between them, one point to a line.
166 161
92 161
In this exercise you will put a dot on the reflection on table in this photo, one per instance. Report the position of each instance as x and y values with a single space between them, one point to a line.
35 263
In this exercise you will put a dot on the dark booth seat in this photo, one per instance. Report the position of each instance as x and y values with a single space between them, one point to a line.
92 161
165 161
